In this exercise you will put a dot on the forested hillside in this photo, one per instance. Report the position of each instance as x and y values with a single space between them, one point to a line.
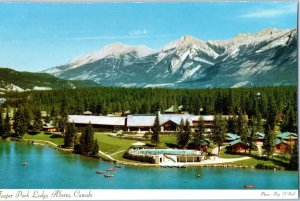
261 101
12 80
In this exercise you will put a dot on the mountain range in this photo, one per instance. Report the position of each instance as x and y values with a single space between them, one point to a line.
268 57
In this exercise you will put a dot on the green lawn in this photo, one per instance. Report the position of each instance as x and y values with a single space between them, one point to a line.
43 136
252 162
167 142
111 145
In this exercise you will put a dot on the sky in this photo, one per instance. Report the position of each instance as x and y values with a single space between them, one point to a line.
38 36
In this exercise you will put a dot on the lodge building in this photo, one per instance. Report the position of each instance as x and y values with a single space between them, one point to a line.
140 122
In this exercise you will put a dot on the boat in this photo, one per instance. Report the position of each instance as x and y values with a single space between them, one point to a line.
25 163
111 169
248 186
108 175
117 166
199 175
100 172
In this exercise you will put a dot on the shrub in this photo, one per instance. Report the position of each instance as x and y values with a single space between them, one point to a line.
142 158
268 167
56 135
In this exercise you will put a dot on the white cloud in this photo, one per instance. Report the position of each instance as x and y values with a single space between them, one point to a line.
138 32
270 13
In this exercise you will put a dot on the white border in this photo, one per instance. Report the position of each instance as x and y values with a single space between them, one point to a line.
66 194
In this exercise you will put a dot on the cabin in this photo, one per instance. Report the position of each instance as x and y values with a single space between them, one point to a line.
238 146
230 137
289 137
259 137
282 146
171 122
100 123
48 128
140 122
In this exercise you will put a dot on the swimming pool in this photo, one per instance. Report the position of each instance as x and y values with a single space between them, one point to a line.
166 151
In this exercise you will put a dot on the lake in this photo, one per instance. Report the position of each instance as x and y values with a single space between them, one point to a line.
52 169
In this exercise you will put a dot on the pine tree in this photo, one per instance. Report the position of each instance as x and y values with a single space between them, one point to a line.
199 134
187 133
37 121
1 124
7 125
95 148
180 135
20 124
219 131
269 141
87 140
252 127
294 158
155 131
70 135
243 126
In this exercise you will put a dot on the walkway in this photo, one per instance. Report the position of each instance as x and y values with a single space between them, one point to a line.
117 152
107 155
216 160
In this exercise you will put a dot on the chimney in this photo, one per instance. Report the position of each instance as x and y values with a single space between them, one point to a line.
158 112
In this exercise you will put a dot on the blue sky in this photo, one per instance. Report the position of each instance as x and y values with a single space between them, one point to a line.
37 36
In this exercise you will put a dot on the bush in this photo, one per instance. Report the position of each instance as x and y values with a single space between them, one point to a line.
148 135
168 133
268 167
147 159
56 135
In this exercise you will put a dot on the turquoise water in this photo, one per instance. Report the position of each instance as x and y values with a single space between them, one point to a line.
165 151
51 169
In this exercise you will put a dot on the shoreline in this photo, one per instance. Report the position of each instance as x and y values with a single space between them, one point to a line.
219 163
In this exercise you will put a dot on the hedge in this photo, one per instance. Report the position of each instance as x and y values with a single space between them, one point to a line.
147 159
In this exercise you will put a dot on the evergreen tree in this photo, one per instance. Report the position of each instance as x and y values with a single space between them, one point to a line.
243 129
219 131
7 125
252 127
70 135
1 124
232 124
37 120
87 140
199 134
269 141
20 124
260 126
272 112
290 123
95 148
294 158
155 131
180 135
187 133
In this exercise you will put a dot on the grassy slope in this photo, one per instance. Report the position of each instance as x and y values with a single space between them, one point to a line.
43 136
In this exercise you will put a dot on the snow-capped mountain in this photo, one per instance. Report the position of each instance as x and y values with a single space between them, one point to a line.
268 57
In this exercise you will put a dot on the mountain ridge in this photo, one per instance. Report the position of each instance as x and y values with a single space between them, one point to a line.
11 80
267 57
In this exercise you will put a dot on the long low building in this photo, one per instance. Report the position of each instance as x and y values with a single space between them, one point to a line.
98 122
140 122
